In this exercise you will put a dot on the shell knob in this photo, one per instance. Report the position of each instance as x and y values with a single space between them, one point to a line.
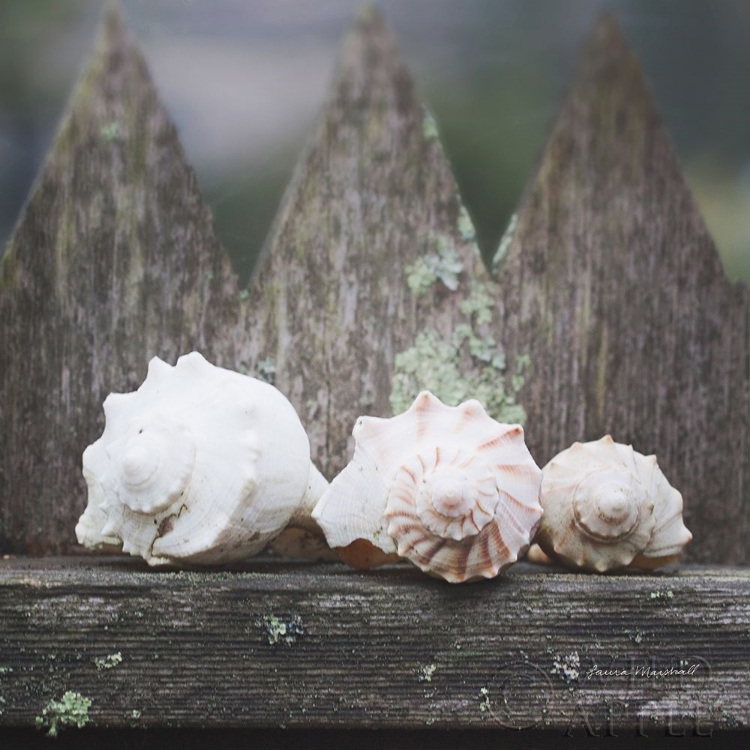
610 506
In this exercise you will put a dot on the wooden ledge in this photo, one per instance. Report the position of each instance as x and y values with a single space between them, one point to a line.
321 646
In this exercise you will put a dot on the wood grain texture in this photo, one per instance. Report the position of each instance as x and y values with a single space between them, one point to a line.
390 649
613 286
114 260
372 200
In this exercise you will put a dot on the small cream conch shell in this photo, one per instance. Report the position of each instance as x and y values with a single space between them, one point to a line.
447 487
200 465
607 507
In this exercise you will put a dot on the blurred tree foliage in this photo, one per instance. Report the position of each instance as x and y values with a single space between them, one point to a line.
492 71
30 101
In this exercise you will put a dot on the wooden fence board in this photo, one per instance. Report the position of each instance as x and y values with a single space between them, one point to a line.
114 260
613 287
372 256
325 646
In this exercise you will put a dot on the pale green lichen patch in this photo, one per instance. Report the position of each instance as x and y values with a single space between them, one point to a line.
72 710
244 294
279 630
10 268
484 705
504 246
447 264
419 276
637 636
108 662
110 131
466 225
661 595
463 366
424 673
479 303
267 370
567 666
429 126
443 264
523 362
430 364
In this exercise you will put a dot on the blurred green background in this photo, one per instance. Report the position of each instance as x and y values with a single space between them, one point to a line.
245 79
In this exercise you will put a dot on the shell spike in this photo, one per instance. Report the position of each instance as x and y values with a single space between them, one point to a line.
115 405
158 369
194 360
425 400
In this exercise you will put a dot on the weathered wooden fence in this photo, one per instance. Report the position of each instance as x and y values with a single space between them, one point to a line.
607 310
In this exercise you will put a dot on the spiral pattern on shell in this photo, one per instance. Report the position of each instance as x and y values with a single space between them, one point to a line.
607 506
446 487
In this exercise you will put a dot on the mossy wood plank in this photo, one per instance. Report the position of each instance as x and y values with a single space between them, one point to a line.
612 285
371 256
325 646
114 260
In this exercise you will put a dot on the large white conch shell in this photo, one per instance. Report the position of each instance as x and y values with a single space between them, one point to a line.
608 507
200 465
447 487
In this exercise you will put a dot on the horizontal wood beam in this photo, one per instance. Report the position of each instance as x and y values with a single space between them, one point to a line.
321 646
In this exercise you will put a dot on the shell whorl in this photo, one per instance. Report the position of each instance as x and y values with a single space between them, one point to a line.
609 505
453 499
448 488
605 505
151 464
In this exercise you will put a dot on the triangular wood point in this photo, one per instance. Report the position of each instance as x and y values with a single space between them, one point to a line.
614 288
113 247
114 28
370 20
608 36
371 249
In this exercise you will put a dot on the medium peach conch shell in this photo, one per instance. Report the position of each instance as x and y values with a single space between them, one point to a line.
200 465
447 487
607 507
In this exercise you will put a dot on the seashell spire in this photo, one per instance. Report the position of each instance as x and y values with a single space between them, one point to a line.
607 507
446 487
